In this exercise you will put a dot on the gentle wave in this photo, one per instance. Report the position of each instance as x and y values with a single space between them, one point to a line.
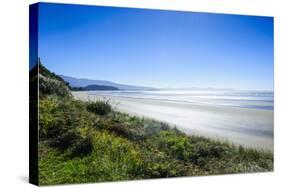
244 99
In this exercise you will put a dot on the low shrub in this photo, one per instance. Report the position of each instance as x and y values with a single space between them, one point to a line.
49 117
99 107
63 122
158 164
66 140
174 144
83 146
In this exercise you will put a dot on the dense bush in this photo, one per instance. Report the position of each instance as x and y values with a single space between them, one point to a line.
157 164
49 118
99 107
112 159
205 152
174 144
83 146
62 121
66 140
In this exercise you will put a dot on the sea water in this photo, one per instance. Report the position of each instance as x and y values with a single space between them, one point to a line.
243 99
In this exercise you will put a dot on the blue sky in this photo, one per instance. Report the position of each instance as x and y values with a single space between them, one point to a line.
157 48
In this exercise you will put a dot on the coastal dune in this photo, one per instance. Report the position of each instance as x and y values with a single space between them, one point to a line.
248 127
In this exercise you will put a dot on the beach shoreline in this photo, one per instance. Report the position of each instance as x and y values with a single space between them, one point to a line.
251 128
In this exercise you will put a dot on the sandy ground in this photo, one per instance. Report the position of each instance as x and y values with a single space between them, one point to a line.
242 126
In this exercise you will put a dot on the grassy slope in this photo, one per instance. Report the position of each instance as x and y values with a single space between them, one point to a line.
90 142
127 147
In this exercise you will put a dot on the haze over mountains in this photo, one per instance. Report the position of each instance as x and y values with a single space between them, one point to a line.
89 83
82 82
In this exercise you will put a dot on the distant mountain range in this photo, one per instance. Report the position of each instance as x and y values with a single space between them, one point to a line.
81 82
88 84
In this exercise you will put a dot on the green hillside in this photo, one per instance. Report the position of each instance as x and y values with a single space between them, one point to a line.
51 84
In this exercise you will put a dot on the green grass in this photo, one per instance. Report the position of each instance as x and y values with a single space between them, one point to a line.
90 142
113 158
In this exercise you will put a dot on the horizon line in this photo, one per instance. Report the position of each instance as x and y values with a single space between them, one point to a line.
170 88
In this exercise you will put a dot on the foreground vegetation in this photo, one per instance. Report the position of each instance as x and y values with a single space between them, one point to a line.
91 142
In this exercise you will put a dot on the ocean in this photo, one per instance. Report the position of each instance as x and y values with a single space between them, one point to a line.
243 99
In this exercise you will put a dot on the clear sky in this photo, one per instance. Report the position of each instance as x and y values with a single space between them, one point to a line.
157 48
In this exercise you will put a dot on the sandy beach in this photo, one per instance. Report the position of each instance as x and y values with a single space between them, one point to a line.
242 126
